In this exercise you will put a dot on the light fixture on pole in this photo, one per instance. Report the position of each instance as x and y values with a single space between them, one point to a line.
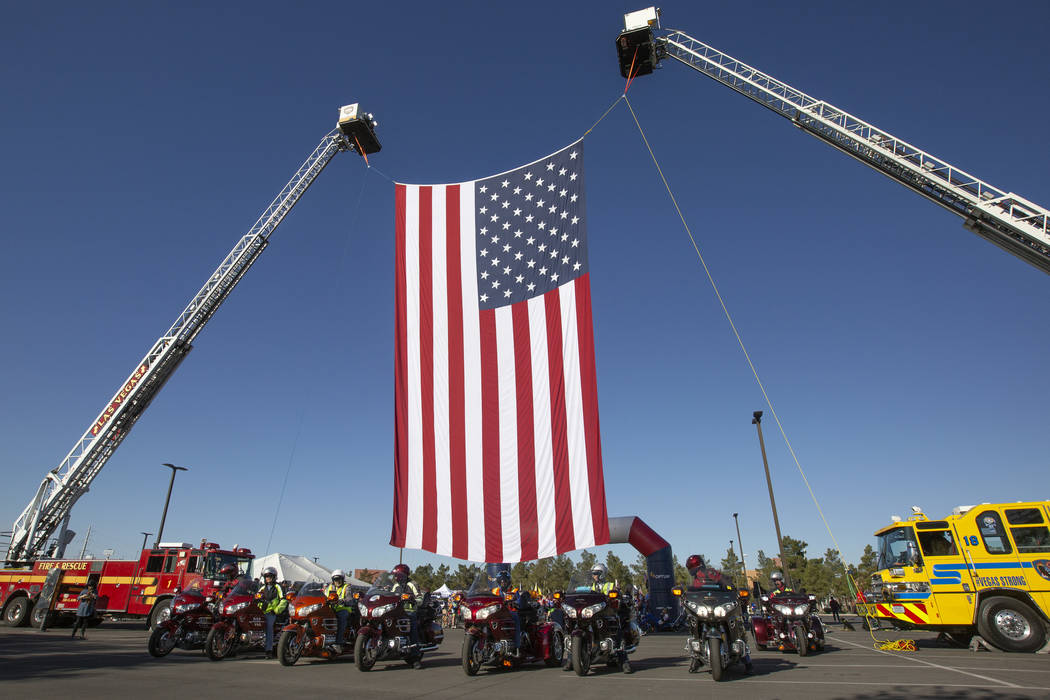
757 421
167 499
740 543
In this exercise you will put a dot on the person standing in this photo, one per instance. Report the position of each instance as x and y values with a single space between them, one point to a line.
85 609
835 607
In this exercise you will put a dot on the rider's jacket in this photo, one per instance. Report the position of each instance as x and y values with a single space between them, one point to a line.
271 599
407 587
785 591
342 593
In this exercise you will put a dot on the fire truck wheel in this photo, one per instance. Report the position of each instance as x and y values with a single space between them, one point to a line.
160 613
1010 625
16 614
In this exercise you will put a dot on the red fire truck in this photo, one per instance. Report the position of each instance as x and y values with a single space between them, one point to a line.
140 588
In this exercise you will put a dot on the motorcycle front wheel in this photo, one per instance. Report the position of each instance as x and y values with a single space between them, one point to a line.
288 648
161 642
714 653
581 656
801 640
472 653
365 652
219 645
557 655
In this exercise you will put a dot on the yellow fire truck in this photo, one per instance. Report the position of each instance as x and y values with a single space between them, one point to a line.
985 569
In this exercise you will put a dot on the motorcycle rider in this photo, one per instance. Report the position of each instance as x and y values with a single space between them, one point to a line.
702 574
341 606
403 584
499 578
598 582
778 582
272 602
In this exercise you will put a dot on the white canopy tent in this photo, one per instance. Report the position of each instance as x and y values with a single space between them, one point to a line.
292 567
443 592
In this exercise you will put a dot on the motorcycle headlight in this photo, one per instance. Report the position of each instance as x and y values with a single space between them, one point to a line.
784 609
307 609
569 610
185 607
802 609
465 612
485 612
700 610
724 609
363 609
591 610
382 610
231 609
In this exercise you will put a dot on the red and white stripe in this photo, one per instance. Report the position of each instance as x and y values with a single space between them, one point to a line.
498 453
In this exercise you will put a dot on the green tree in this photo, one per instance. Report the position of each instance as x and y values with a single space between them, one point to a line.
867 566
587 560
560 571
681 574
423 575
619 573
441 576
463 576
795 553
521 575
766 566
640 571
541 575
730 566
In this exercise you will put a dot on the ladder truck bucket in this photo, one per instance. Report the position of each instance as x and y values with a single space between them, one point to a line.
359 129
635 47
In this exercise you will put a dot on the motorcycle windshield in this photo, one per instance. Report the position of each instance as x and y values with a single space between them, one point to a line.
708 580
382 585
194 589
312 589
583 582
244 586
483 585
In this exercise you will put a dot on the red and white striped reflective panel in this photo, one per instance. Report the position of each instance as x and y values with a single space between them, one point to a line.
498 452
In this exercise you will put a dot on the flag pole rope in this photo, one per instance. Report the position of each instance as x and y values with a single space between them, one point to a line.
739 340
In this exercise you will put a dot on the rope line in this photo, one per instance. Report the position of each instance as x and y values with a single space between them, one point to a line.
900 645
302 414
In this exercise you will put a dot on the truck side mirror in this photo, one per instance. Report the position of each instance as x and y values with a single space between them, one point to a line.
913 555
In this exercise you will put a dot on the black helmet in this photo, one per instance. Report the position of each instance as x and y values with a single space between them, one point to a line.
503 579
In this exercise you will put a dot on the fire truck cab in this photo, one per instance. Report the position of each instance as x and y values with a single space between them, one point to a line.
140 588
983 570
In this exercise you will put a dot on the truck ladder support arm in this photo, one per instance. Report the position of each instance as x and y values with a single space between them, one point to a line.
70 480
1011 222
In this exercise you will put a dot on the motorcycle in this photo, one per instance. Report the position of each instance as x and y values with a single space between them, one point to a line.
386 626
241 624
789 622
312 627
490 630
599 626
192 617
717 627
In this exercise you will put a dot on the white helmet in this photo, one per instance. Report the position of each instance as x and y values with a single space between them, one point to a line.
599 569
338 573
269 571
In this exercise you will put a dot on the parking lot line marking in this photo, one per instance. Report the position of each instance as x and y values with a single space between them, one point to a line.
750 680
1008 684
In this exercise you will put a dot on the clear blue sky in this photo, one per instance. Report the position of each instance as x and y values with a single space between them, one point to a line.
905 355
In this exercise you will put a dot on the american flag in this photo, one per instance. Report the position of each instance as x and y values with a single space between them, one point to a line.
498 453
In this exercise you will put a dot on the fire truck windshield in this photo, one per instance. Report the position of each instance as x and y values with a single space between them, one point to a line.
217 560
892 546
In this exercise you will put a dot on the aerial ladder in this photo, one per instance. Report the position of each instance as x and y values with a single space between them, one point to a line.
1011 222
65 484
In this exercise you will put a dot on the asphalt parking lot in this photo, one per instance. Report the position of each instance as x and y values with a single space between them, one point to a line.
113 661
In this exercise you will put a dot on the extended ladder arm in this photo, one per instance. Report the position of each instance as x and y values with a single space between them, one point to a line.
1013 223
66 483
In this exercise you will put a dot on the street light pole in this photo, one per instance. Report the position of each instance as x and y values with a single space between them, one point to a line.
757 421
167 499
733 552
144 536
740 542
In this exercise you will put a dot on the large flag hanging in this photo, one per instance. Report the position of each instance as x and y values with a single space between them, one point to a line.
498 451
